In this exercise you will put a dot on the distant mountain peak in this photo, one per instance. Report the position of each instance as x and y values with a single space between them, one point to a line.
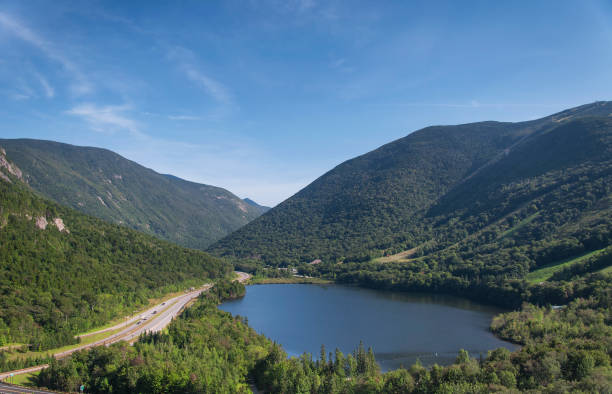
263 209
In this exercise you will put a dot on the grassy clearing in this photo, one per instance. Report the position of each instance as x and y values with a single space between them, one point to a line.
520 225
542 274
84 341
11 346
25 379
398 257
606 270
261 281
111 323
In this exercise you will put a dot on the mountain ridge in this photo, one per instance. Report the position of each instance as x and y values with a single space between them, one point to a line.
102 183
378 203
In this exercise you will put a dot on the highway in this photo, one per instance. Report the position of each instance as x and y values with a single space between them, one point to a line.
154 319
10 389
242 276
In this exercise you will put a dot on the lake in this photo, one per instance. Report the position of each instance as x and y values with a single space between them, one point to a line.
400 327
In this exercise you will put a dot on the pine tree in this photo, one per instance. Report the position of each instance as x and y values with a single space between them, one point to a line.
322 359
372 367
361 359
339 368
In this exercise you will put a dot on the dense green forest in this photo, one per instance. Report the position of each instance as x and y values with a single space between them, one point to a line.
101 183
486 247
204 351
469 210
564 350
58 281
541 185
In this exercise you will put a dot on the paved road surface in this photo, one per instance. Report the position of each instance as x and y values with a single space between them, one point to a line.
242 276
9 389
153 320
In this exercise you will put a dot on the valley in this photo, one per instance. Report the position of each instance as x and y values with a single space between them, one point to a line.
306 197
469 258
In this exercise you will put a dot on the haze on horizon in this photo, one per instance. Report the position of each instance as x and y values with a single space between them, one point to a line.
262 97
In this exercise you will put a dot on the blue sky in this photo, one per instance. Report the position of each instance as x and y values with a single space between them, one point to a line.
262 97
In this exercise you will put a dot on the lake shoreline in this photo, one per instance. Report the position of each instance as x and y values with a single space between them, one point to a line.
291 280
303 318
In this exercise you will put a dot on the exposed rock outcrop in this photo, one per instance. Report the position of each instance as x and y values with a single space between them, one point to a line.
59 223
101 201
11 168
41 222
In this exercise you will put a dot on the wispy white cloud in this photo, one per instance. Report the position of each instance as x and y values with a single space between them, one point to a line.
107 118
303 5
297 7
341 64
47 88
20 96
21 90
183 117
214 88
338 63
187 64
80 85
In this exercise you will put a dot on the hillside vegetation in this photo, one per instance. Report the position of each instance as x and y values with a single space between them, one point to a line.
480 205
206 350
63 272
103 184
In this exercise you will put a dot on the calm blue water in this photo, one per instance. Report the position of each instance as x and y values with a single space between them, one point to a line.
400 327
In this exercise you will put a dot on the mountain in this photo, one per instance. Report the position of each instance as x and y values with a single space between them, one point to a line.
262 209
471 202
63 272
102 183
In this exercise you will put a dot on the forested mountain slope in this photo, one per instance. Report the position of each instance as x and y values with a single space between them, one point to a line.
101 183
525 185
63 272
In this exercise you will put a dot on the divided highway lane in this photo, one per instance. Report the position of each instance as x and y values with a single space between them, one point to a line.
145 323
153 320
10 389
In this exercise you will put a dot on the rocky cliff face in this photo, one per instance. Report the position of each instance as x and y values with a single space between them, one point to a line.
41 222
101 183
9 167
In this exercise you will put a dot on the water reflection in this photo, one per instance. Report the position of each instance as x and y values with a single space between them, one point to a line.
400 327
